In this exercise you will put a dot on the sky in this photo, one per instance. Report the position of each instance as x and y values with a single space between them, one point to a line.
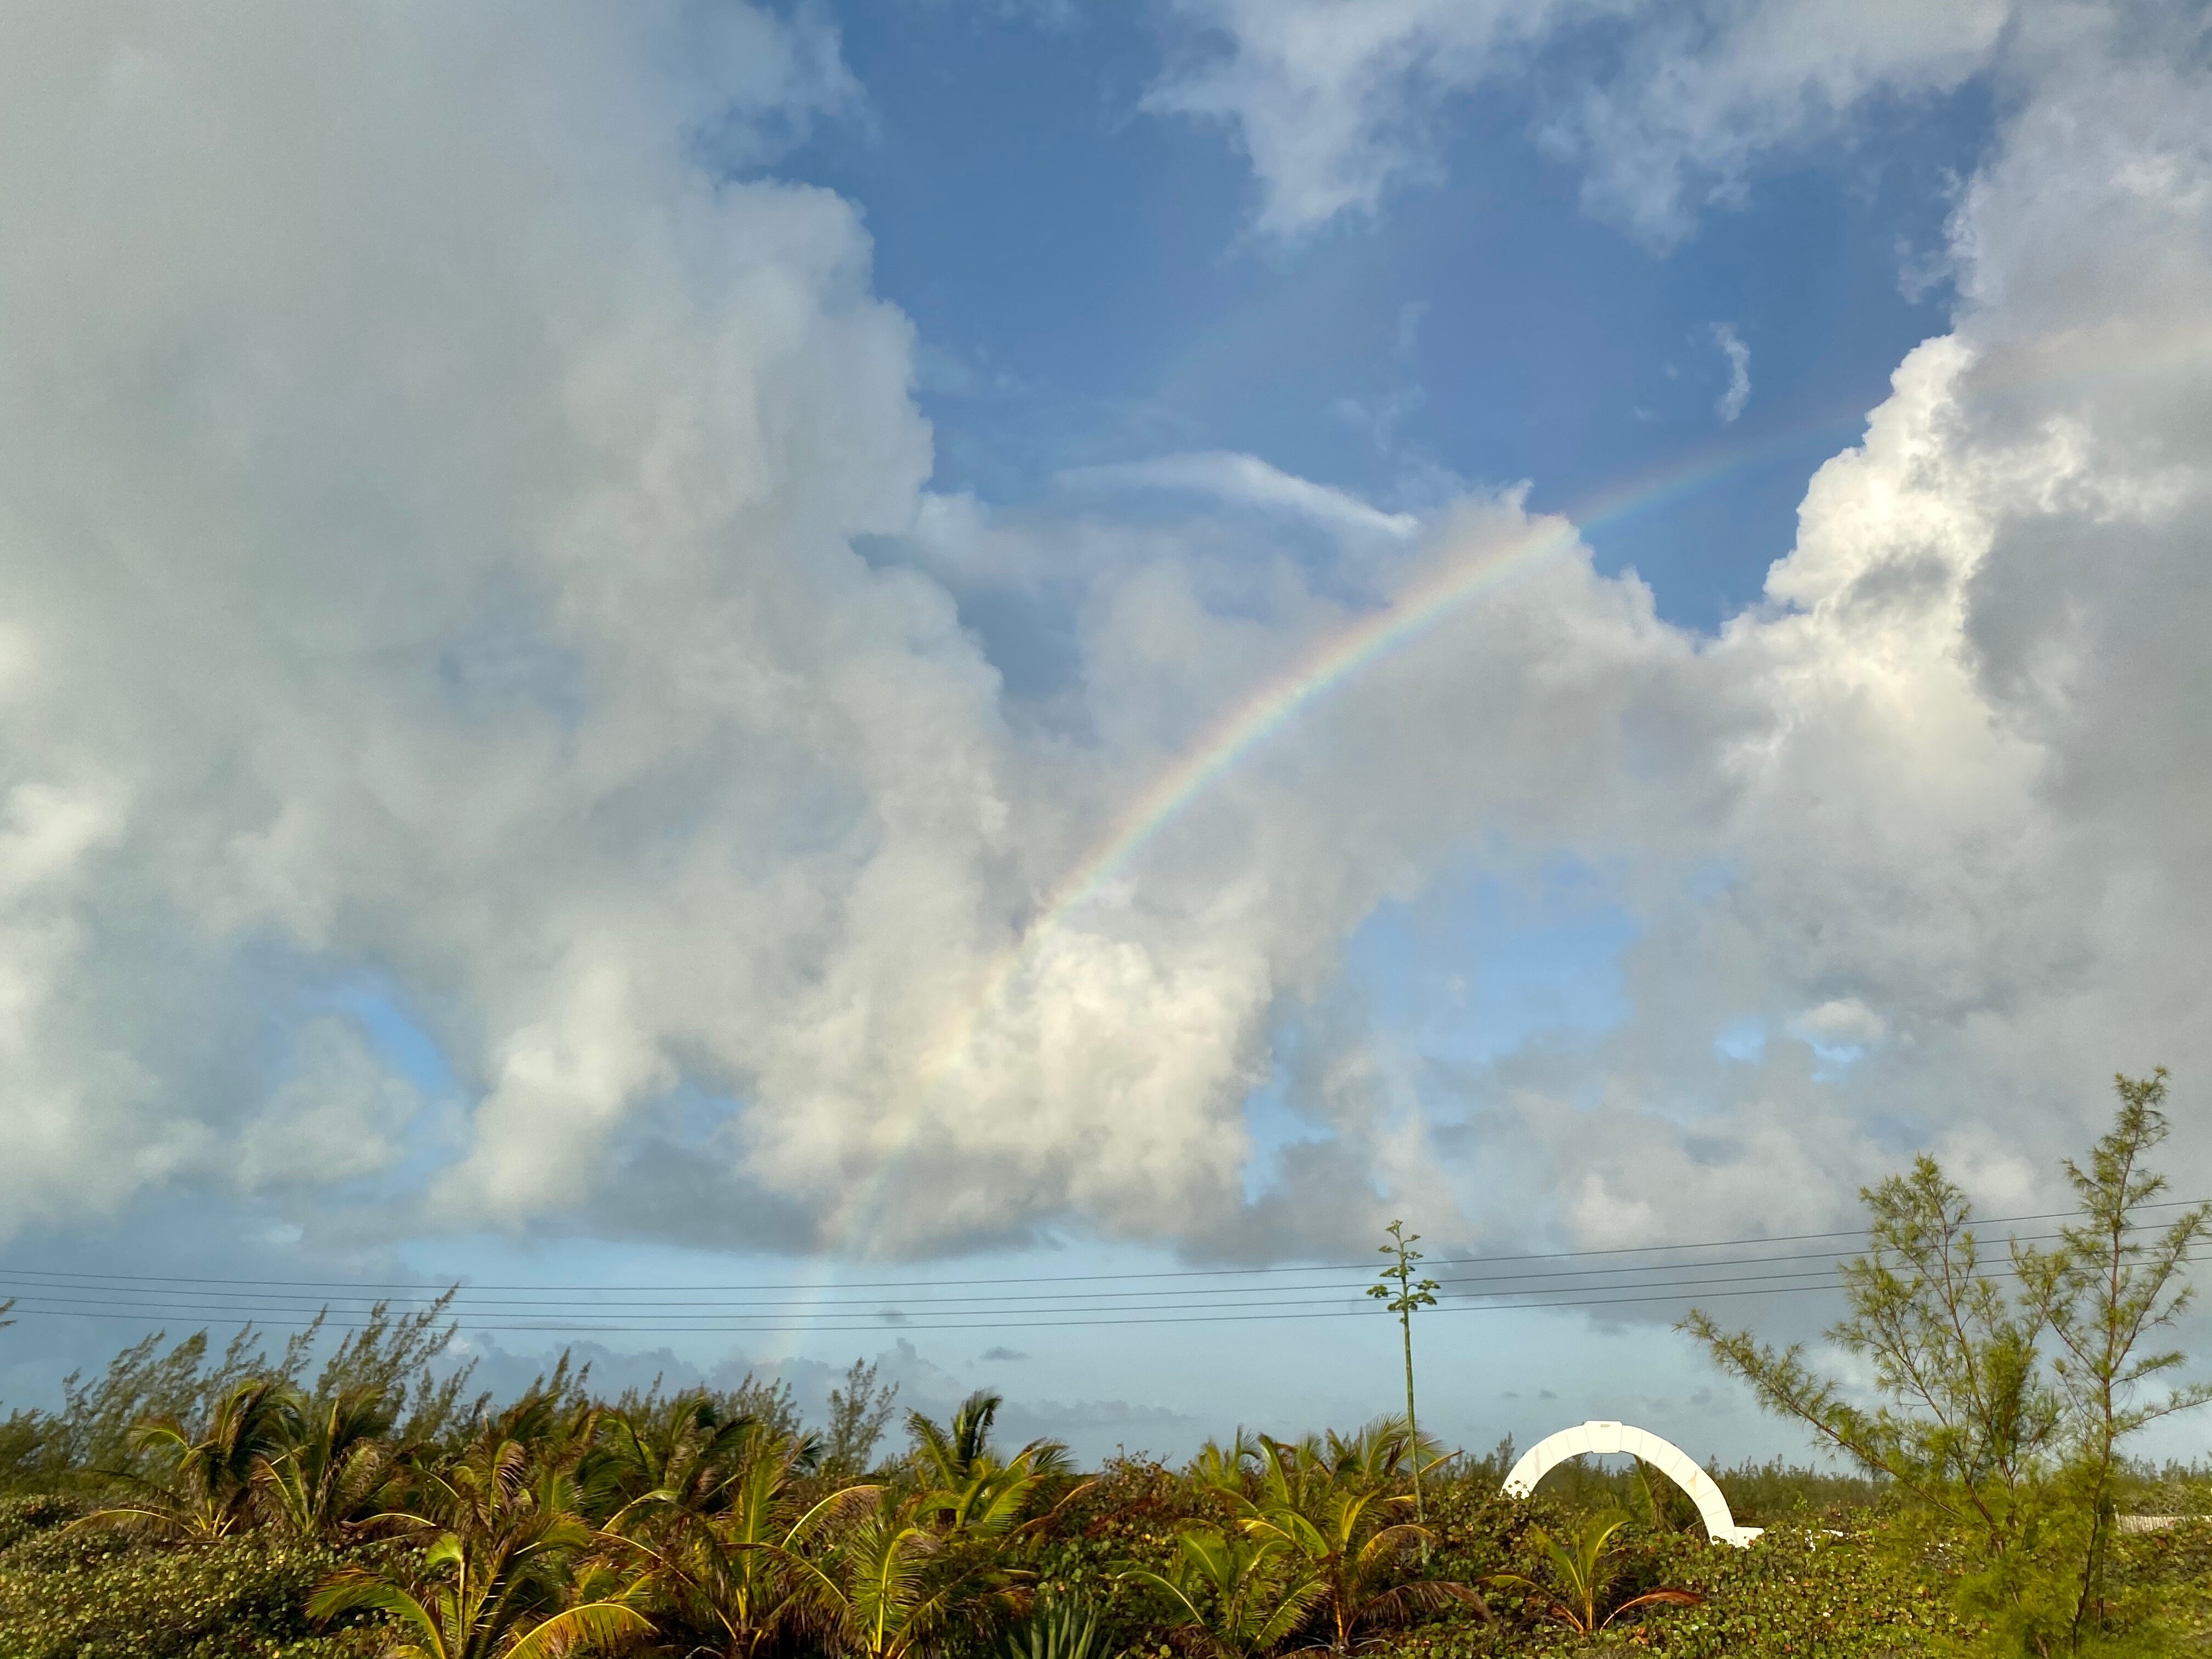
970 682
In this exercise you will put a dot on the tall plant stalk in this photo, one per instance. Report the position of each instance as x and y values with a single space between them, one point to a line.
1402 1295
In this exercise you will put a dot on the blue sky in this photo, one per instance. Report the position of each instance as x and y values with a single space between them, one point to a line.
1087 290
718 645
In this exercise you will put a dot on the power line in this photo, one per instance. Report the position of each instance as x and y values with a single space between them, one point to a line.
1497 1285
147 1298
850 1321
725 1311
169 1296
880 1327
802 1287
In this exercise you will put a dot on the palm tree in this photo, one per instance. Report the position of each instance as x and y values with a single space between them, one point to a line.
1582 1574
1232 1597
708 1559
492 1598
683 1455
967 1487
947 1456
339 1475
1331 1508
214 1472
506 1577
509 1574
881 1576
544 1433
1226 1468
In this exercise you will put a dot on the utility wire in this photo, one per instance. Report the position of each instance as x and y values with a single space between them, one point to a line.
801 1286
853 1321
880 1327
112 1291
781 1309
1498 1285
56 1294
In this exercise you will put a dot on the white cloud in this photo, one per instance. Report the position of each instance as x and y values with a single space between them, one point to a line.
430 499
431 553
1839 1022
339 1116
1730 403
1334 101
1702 94
1246 480
1338 101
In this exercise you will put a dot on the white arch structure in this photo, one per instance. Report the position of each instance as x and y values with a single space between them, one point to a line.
1662 1456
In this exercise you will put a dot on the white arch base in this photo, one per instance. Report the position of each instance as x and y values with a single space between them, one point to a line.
1662 1456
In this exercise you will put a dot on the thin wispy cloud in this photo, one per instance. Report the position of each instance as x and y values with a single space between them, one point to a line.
1731 401
1242 480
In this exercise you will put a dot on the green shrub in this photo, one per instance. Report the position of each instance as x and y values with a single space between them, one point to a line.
69 1594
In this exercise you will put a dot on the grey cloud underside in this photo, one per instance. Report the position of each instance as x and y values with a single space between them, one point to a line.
430 565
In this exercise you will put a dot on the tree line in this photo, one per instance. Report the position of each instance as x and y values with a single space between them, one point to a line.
195 1504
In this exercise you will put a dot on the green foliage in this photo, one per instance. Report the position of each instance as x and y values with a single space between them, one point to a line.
1758 1494
2161 1586
74 1594
1128 1516
717 1536
1579 1571
89 1440
884 1577
2108 1284
765 1402
188 1505
393 1358
1231 1596
2002 1408
1868 1593
860 1412
203 1477
337 1474
75 1447
1773 1493
1333 1509
1067 1630
511 1571
948 1453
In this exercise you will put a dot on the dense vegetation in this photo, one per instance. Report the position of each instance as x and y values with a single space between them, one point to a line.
241 1506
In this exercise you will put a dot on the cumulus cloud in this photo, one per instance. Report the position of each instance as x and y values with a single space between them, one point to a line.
1702 94
339 1116
1338 101
431 496
1335 103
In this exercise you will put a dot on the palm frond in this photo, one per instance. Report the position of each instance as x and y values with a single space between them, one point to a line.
1664 1597
602 1623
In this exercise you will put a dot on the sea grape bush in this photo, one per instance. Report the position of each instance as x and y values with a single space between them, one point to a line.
72 1594
1843 1580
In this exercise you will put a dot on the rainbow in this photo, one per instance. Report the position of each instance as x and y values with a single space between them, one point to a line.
1273 705
1269 708
1330 663
1247 725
